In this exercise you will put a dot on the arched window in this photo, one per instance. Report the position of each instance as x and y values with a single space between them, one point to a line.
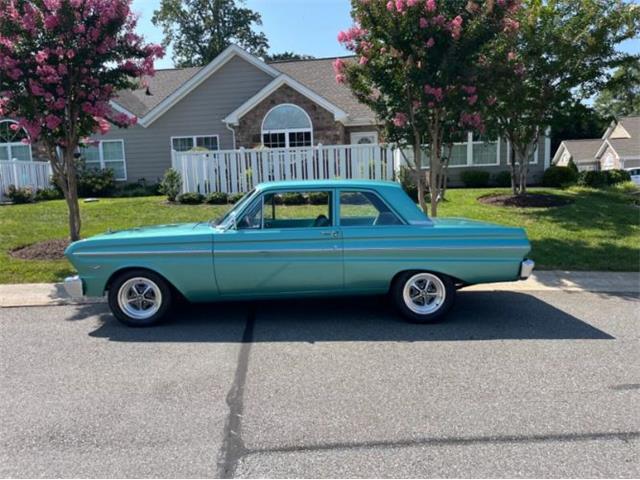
11 145
287 126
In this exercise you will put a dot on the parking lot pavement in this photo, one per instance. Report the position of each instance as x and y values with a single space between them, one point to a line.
513 384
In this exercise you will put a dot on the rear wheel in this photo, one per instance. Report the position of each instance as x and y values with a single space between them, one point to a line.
139 298
423 297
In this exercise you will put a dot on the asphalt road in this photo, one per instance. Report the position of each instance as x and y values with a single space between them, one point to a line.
513 385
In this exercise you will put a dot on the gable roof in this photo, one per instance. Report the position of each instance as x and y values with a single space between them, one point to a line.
234 117
582 151
313 78
175 84
318 75
628 147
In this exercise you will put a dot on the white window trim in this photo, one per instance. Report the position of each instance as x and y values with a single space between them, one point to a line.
193 137
102 160
535 154
286 131
16 144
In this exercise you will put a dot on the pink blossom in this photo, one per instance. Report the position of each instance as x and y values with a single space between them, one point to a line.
456 27
438 20
424 23
363 60
52 122
511 56
341 78
510 25
435 91
417 105
338 66
501 3
390 5
400 120
412 3
51 22
431 5
430 43
472 99
400 5
103 125
469 89
41 56
36 88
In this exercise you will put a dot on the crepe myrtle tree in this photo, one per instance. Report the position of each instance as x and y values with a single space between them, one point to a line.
418 68
61 61
563 52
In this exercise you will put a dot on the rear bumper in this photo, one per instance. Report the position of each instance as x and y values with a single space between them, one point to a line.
73 286
526 268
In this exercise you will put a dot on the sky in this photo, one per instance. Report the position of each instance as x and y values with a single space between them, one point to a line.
301 26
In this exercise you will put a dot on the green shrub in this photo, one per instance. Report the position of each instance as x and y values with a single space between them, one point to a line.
293 198
190 198
20 194
617 176
95 182
141 188
50 193
559 177
217 198
592 178
171 184
408 182
318 198
502 179
475 178
235 197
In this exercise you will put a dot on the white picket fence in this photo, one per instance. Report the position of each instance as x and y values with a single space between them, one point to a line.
233 171
36 175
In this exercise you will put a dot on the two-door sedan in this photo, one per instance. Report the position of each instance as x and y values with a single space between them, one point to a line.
342 237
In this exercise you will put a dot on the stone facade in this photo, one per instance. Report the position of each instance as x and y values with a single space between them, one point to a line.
325 129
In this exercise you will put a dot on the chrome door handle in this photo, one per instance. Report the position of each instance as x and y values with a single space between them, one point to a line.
332 233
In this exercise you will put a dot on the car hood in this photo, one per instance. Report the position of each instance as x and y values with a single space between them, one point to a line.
181 233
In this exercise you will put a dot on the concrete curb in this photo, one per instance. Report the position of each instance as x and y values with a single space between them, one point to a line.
52 294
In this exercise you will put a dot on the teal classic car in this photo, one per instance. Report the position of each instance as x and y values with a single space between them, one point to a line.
300 238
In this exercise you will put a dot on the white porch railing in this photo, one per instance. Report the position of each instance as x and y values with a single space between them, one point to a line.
36 175
234 171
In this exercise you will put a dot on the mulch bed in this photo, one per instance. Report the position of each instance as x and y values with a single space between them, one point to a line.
528 200
47 250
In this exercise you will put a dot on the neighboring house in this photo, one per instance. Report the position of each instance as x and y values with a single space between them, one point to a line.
239 101
619 148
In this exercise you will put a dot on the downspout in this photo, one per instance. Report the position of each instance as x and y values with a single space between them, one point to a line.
233 134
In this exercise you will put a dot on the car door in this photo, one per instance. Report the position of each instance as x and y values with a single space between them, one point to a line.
284 242
372 231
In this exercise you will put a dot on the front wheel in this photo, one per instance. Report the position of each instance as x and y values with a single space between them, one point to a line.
139 298
423 297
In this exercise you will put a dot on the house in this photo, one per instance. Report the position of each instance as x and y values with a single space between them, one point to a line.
239 101
619 148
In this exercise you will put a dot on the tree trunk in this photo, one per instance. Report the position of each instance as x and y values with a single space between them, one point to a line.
435 166
71 194
512 168
417 160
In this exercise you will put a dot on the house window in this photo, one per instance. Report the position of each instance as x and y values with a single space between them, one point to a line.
106 154
287 126
196 143
11 142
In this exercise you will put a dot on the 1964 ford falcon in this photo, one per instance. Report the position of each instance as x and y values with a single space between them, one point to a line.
343 237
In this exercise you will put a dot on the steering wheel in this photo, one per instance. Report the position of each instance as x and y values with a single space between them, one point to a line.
321 221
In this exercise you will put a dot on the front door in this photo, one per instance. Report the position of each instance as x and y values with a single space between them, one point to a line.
285 242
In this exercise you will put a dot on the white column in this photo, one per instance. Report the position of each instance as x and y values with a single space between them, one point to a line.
547 148
469 148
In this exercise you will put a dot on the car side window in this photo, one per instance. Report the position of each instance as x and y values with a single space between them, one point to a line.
297 209
365 209
252 218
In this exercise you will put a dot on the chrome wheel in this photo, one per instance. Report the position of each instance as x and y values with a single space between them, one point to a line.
139 298
424 293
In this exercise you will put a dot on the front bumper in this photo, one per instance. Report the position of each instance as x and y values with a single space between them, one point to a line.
73 286
526 268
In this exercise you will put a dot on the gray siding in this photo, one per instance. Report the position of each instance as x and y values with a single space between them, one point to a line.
148 150
534 175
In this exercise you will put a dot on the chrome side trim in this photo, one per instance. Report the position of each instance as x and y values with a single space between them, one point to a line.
73 286
526 268
363 250
144 252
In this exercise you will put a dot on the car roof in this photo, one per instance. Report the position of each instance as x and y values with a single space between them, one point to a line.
328 184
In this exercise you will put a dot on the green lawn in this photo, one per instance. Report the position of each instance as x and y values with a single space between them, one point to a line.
599 231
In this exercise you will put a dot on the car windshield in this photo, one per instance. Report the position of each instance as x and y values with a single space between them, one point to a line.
223 221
